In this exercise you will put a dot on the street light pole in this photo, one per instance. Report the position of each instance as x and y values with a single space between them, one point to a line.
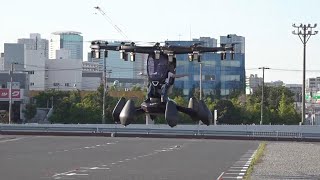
304 32
10 93
262 95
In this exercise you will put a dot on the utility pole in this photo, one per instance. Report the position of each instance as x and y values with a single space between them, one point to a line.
304 32
200 97
10 93
262 94
104 87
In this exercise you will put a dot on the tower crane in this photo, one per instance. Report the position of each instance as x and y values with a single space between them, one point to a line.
102 12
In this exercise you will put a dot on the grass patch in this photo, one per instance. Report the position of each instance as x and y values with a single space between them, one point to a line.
255 160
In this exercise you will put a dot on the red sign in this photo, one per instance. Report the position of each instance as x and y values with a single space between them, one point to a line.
4 93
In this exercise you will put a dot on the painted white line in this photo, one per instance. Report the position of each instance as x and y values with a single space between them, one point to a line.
239 177
104 165
113 163
14 139
59 174
127 159
75 174
230 177
98 168
120 161
232 173
239 167
235 170
220 177
83 170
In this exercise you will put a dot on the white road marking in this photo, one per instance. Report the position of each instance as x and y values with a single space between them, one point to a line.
59 174
75 174
239 167
14 139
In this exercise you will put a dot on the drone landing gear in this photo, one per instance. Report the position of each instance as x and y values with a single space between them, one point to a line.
202 111
171 114
124 112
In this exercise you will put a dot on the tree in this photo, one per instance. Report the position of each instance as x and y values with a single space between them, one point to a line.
176 92
30 111
227 113
287 112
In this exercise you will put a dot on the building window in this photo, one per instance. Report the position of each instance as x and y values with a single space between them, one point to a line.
3 85
32 84
67 84
55 84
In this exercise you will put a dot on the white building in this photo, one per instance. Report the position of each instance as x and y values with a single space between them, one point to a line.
313 84
90 66
66 40
35 43
253 82
91 76
35 64
63 74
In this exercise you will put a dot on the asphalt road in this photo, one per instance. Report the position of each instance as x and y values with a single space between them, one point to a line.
101 158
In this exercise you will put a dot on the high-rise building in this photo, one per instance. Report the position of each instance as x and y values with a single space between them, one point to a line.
14 54
126 72
66 40
36 43
219 77
207 41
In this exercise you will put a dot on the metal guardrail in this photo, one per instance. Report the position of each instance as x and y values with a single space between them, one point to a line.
264 131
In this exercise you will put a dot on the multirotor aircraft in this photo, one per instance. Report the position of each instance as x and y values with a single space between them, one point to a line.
161 72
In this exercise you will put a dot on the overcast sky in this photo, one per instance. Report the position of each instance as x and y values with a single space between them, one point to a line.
266 25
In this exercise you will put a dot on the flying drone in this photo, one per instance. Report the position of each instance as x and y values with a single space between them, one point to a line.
161 72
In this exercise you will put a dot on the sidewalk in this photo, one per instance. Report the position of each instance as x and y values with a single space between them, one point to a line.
289 160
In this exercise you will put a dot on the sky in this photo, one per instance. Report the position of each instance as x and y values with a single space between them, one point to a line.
265 24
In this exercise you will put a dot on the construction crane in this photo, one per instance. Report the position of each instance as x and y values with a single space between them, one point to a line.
110 21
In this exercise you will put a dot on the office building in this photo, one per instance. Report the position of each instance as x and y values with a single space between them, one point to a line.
127 73
206 41
63 74
220 77
36 43
68 41
14 53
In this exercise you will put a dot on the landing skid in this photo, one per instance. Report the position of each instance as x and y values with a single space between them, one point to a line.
125 112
